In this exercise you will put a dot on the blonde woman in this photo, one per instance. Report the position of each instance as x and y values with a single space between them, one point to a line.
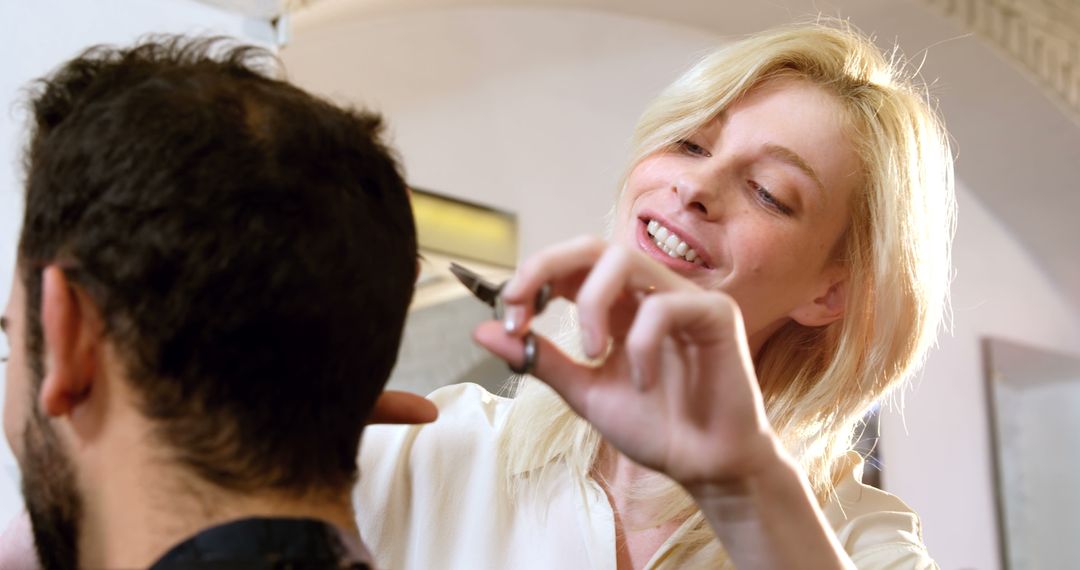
778 262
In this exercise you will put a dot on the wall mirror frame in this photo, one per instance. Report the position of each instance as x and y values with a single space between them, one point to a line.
1033 397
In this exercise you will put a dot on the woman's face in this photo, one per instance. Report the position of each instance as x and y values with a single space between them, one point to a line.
757 202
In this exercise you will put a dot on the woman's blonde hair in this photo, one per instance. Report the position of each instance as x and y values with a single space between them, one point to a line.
818 382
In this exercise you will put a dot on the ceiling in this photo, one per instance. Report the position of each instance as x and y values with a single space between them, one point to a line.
1016 149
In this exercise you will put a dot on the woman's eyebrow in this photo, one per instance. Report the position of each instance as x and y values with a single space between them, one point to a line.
3 324
784 154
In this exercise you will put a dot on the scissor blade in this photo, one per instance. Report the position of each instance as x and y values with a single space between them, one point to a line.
484 290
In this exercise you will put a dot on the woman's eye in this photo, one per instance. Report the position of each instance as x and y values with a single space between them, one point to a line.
693 148
769 200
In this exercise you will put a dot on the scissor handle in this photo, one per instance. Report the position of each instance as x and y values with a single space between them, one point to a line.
529 358
543 296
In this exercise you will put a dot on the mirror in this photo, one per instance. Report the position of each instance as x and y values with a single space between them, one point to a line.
437 347
1034 399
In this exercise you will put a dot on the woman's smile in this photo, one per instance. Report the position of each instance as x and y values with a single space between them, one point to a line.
753 204
671 245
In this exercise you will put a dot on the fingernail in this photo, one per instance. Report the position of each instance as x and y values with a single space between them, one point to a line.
507 287
513 317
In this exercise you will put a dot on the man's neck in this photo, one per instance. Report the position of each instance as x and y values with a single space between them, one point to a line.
139 511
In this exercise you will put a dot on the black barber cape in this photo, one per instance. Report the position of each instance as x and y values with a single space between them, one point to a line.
268 544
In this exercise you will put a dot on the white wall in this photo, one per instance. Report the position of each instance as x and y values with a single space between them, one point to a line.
530 110
35 37
942 466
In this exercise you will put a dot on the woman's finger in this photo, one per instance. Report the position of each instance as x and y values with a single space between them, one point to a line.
619 272
570 378
705 319
562 266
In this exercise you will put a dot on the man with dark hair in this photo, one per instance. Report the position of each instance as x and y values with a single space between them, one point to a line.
212 278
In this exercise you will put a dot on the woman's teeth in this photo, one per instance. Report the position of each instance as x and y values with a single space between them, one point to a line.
670 243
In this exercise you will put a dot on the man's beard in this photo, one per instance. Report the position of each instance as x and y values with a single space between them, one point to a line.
52 499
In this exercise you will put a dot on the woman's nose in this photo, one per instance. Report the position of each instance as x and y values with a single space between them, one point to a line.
699 193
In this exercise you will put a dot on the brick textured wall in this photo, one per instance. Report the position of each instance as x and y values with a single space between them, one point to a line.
1041 37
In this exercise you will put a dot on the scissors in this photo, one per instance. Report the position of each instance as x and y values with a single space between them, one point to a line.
489 293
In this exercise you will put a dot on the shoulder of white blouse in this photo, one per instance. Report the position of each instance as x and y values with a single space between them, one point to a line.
873 525
469 416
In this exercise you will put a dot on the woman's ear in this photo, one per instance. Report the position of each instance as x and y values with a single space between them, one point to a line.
70 328
828 307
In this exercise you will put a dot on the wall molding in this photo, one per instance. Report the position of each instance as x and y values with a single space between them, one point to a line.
1041 37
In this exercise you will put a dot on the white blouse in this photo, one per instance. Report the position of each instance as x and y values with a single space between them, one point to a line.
429 498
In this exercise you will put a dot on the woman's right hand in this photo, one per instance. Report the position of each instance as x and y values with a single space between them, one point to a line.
675 390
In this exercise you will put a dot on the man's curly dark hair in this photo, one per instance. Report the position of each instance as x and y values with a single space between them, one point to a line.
251 249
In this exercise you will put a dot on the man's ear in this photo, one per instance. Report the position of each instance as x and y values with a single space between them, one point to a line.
828 307
394 407
71 328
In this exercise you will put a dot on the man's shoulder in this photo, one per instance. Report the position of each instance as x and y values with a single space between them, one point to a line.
257 565
259 543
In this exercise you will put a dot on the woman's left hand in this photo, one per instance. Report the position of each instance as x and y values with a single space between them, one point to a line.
675 390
